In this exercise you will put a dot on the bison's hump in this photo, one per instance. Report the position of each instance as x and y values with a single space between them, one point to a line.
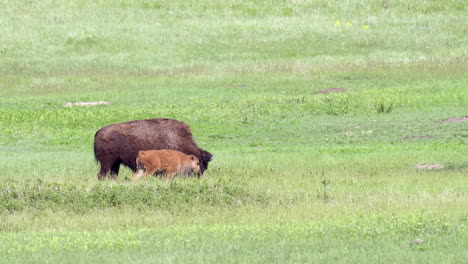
147 126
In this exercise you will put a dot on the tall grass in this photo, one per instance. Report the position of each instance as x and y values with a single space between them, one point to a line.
192 38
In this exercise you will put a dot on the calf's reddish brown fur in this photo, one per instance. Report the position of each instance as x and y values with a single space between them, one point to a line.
169 162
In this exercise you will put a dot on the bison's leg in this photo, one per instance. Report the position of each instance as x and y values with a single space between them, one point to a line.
115 170
105 168
108 164
102 174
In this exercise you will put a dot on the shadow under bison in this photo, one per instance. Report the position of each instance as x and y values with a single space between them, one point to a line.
119 143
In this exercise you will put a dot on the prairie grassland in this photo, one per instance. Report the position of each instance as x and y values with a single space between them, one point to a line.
298 175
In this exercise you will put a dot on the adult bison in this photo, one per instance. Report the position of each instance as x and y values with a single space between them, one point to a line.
120 143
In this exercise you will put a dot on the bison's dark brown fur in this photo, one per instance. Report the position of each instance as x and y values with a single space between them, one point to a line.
120 143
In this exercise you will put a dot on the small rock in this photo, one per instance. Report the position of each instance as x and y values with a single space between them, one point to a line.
238 86
417 241
429 166
86 103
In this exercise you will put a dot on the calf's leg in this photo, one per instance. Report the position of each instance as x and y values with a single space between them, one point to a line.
149 172
138 174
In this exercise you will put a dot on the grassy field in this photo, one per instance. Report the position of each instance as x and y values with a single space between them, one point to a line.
299 176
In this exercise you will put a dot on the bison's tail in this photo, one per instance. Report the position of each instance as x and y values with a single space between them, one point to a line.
96 158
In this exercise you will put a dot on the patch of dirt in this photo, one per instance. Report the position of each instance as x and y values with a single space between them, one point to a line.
455 119
238 86
86 103
332 90
418 137
429 166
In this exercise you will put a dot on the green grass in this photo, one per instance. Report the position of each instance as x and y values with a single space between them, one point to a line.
298 177
270 243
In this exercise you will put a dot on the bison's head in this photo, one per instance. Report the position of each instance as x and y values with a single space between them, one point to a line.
206 157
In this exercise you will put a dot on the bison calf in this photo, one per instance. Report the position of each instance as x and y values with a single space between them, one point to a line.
169 162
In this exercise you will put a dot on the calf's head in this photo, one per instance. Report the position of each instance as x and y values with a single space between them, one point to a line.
195 165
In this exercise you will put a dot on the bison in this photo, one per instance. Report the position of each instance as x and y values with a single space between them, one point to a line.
166 161
119 143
